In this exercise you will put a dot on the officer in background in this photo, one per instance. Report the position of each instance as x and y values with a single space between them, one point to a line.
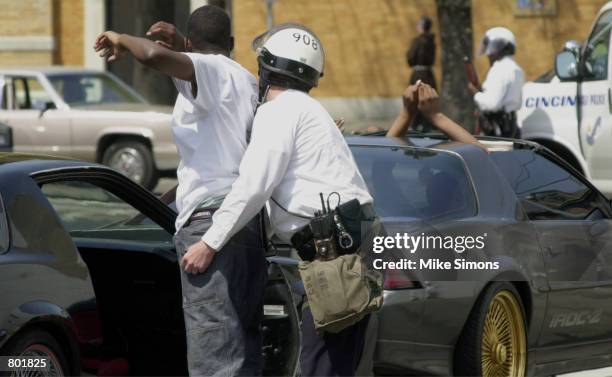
501 93
296 152
422 54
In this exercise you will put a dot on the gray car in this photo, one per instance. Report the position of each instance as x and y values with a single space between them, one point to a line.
539 304
88 115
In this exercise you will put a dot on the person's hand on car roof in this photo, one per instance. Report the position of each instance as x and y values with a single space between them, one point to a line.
428 101
410 98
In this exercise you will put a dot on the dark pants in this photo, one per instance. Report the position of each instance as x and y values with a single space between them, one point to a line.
426 76
500 124
339 354
223 307
331 354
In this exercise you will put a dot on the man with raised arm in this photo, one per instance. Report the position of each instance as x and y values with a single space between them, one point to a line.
211 123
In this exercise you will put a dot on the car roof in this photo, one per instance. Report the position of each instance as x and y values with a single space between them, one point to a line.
437 141
47 70
32 163
430 141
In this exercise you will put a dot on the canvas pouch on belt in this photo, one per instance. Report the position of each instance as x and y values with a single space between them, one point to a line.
341 291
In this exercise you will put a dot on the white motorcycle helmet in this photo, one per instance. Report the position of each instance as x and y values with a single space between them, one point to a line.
498 40
289 51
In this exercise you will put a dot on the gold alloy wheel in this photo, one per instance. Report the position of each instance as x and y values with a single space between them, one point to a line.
504 348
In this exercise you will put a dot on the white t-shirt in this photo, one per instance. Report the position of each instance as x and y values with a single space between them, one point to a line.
503 87
210 130
296 152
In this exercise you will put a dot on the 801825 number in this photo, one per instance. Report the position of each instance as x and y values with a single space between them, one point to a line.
306 39
19 363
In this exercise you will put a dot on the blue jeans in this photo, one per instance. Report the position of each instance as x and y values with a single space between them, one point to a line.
223 307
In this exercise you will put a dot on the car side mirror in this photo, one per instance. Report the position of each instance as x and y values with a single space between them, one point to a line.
566 66
46 107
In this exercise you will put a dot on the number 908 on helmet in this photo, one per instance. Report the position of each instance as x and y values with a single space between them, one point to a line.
289 55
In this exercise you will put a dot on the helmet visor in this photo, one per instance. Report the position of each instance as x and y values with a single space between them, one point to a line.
495 46
484 43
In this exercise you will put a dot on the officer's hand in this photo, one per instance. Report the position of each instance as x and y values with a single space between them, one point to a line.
167 35
429 102
197 258
108 46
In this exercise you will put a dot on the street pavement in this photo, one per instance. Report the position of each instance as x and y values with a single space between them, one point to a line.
605 372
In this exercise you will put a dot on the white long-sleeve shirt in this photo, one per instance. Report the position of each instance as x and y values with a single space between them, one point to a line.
296 152
210 130
503 87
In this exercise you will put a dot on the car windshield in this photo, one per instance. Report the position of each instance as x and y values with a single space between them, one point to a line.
91 89
407 182
417 183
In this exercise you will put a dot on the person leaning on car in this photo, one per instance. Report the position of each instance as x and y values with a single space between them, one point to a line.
213 114
422 99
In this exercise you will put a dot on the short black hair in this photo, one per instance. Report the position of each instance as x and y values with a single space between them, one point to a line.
209 28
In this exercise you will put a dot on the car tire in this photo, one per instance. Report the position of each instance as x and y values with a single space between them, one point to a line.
133 159
494 339
39 343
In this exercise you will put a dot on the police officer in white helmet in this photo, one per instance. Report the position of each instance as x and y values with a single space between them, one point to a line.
296 153
501 93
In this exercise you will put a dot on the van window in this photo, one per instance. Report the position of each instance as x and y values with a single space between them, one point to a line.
597 49
546 190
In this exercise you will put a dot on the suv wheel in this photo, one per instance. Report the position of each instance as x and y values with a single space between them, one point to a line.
134 160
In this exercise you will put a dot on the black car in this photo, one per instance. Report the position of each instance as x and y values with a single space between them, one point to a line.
89 274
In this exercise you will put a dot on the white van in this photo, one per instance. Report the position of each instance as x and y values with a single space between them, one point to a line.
571 112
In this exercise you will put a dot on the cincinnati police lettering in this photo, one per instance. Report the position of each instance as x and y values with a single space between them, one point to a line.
561 101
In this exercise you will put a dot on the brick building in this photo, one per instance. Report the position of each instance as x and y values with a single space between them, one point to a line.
365 40
44 32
